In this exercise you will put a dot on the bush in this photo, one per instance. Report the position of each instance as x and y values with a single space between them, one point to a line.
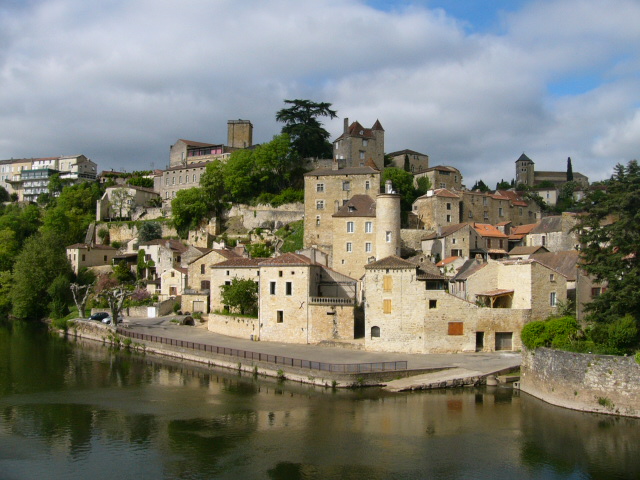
615 337
555 332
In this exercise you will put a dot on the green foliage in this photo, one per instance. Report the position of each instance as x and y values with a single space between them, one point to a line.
9 247
260 250
424 185
292 235
60 293
103 234
407 163
149 231
502 185
40 262
288 195
553 332
4 195
241 296
610 234
140 182
122 272
301 123
116 244
403 184
617 337
213 183
190 208
480 185
569 170
6 283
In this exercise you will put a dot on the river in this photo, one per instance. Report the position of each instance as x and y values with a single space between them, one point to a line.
83 411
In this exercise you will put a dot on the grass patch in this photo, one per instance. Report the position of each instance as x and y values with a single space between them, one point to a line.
292 234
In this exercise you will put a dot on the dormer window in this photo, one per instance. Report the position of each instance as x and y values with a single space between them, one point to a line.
351 208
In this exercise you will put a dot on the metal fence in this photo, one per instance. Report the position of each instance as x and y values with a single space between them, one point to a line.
269 358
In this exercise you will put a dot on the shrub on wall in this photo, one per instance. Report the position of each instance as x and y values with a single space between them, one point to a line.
554 332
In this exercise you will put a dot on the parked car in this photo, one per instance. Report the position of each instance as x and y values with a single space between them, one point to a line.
108 319
99 316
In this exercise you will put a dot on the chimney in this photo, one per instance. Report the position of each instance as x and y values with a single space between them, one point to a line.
346 124
335 165
388 187
478 258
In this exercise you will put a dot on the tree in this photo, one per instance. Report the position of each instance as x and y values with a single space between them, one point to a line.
480 185
424 185
122 272
141 182
610 237
402 184
60 293
6 284
80 296
55 185
275 164
9 247
308 136
239 176
120 201
4 195
189 208
212 181
569 170
149 231
40 262
407 163
502 185
241 296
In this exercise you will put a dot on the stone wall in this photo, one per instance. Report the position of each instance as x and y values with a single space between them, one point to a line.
240 327
266 216
593 383
411 239
123 232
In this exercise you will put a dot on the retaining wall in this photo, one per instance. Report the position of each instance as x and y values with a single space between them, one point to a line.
593 383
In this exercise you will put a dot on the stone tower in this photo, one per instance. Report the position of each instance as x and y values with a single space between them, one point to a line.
524 171
387 223
239 133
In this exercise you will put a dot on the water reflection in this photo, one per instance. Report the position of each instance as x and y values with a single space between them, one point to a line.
69 411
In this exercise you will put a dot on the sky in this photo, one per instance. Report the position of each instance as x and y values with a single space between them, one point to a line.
473 84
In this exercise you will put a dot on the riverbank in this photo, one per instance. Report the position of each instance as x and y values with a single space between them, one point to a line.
579 381
314 364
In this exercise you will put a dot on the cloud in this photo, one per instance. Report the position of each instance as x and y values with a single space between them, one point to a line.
122 82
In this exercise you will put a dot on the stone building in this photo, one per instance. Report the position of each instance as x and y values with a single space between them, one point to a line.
357 144
527 175
404 312
173 282
325 192
239 134
176 178
300 301
441 176
555 233
438 208
418 162
185 152
120 202
450 241
82 255
499 207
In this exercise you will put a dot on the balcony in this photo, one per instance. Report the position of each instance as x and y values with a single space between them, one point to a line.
331 301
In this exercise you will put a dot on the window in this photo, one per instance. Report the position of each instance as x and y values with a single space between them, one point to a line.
288 288
227 273
386 305
202 269
83 257
552 299
433 303
279 316
520 211
375 332
272 288
486 215
317 220
443 185
365 142
279 273
456 328
500 212
346 186
205 285
597 291
552 277
194 178
368 227
320 205
349 247
388 237
105 258
320 187
349 227
361 155
173 274
448 206
367 247
544 240
484 200
448 218
367 185
387 283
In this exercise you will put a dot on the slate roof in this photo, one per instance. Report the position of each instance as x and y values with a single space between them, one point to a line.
527 250
188 166
565 262
523 157
445 231
170 243
468 268
191 143
391 262
406 151
548 225
358 206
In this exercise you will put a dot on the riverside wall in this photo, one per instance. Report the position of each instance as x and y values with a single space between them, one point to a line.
592 383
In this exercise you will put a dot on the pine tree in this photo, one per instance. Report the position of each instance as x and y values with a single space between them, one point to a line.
569 170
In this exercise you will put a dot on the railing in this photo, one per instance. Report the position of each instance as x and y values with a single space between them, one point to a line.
332 301
269 358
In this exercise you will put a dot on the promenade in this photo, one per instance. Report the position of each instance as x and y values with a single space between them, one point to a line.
442 369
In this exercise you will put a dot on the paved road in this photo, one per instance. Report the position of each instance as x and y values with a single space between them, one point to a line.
480 362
